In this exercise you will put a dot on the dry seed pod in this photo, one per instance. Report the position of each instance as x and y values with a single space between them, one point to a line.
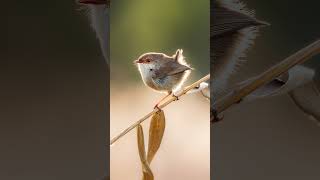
301 83
156 131
147 173
307 98
296 77
203 88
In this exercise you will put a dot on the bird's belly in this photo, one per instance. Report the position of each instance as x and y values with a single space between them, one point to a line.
167 83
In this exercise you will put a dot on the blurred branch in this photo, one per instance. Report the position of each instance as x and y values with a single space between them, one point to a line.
239 93
164 104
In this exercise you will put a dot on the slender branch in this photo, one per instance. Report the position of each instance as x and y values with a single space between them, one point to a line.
236 95
164 104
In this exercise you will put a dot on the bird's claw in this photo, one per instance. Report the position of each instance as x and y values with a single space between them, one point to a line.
157 107
175 96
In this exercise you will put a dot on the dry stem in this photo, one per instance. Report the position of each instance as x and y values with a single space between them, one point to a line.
164 104
236 95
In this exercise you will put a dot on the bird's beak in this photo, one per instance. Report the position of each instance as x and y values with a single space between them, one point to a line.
93 1
138 61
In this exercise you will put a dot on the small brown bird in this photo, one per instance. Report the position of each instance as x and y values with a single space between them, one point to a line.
163 73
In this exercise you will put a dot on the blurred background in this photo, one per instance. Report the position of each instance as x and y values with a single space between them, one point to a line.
54 94
271 138
142 26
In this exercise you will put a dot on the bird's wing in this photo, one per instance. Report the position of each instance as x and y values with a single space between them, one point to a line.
170 69
232 31
230 17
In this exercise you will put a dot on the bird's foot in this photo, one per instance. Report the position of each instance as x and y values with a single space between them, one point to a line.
175 96
157 107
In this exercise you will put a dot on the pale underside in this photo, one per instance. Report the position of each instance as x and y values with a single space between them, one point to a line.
165 78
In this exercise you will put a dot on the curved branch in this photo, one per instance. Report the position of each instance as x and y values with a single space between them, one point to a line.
239 93
164 104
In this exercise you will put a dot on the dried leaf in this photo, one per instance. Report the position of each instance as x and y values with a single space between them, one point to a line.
147 173
156 131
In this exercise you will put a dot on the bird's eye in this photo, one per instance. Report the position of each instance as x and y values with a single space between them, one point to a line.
151 69
148 60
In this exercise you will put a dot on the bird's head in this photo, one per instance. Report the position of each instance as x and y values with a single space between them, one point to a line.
153 58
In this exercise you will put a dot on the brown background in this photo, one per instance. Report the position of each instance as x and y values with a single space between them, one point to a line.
271 138
53 107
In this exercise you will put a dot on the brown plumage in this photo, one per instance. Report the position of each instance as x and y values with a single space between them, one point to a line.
232 30
162 72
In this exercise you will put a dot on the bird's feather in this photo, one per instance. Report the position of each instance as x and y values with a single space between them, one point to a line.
170 70
232 31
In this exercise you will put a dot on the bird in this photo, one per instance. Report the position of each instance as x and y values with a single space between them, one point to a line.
163 73
98 12
233 29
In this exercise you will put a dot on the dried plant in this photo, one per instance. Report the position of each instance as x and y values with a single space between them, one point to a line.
156 130
147 173
238 93
162 105
233 29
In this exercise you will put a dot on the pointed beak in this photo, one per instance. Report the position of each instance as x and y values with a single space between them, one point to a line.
138 61
93 1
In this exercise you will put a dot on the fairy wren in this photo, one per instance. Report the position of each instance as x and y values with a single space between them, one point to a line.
163 73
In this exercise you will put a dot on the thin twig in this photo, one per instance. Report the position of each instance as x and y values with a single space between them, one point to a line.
164 104
239 93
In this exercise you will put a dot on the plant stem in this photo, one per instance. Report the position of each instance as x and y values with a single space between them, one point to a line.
238 93
164 104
